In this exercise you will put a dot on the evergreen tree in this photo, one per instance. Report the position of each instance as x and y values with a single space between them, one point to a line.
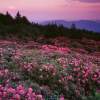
7 14
25 20
2 18
9 18
18 17
73 26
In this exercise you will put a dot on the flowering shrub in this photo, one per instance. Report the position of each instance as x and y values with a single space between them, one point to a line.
18 93
51 48
52 72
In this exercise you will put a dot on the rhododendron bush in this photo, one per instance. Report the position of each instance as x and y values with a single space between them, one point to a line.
47 72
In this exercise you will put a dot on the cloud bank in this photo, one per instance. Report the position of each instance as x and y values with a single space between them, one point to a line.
89 1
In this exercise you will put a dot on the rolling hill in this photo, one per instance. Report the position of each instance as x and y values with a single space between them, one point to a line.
81 24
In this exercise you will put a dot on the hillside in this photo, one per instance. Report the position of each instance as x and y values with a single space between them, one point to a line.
81 24
47 62
20 27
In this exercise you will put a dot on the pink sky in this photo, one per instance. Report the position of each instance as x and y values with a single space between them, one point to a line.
53 9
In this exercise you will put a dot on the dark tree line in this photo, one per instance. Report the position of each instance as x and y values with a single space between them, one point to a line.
20 27
7 19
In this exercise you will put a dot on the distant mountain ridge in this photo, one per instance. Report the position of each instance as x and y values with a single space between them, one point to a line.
80 24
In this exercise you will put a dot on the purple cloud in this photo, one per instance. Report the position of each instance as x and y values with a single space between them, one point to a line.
90 1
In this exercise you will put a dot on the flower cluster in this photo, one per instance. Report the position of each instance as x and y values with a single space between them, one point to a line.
67 75
51 48
18 93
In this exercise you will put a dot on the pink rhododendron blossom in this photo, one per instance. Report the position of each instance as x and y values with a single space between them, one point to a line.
62 98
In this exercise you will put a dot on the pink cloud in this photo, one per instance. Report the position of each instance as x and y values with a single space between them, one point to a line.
11 8
53 9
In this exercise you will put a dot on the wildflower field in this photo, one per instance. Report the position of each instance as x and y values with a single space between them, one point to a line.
38 71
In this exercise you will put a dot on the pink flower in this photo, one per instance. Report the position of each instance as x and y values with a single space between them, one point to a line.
62 98
11 90
69 77
17 97
30 90
1 73
22 92
20 89
6 71
4 94
39 97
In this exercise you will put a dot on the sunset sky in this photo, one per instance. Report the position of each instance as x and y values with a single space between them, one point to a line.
40 10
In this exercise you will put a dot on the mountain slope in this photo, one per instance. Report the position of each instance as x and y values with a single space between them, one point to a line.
81 24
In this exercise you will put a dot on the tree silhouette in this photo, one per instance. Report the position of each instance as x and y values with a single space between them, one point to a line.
7 14
18 17
25 20
21 27
9 19
73 26
21 19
